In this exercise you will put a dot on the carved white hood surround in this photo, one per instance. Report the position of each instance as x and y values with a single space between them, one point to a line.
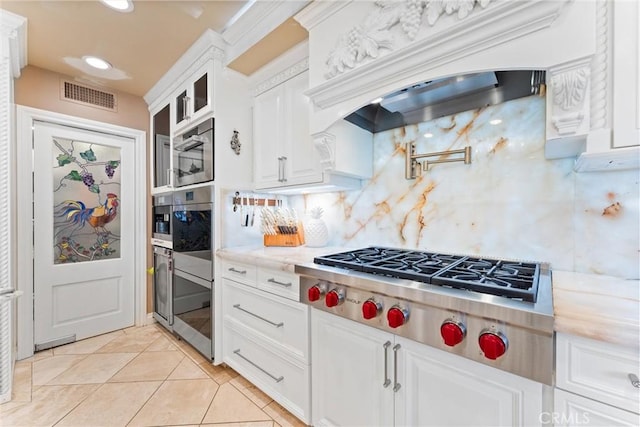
361 50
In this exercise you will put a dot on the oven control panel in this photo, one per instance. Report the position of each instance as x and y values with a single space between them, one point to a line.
484 340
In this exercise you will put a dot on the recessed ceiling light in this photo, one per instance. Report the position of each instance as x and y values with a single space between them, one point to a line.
495 121
428 135
96 62
119 5
377 101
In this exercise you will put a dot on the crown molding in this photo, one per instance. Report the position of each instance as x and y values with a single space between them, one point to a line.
14 33
258 21
318 11
210 45
497 25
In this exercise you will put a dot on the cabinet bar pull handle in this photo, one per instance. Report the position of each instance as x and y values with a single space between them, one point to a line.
280 169
272 280
237 271
396 384
387 380
634 380
185 105
284 170
276 379
277 325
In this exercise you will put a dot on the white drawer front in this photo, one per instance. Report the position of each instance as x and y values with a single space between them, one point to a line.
280 283
239 272
283 321
573 410
598 370
286 381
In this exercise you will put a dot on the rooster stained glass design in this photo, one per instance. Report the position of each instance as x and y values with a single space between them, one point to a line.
86 185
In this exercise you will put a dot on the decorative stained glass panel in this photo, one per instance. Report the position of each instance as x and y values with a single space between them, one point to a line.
86 188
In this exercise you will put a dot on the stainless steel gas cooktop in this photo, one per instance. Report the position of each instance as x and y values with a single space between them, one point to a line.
496 312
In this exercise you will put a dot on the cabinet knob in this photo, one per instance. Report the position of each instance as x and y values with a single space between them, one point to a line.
634 380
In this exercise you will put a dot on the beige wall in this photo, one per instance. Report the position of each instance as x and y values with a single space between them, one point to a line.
39 88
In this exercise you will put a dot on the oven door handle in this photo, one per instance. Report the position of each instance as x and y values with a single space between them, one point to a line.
193 207
190 277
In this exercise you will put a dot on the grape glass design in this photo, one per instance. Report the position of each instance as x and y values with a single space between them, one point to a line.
86 189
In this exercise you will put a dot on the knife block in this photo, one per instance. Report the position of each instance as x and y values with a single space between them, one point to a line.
289 240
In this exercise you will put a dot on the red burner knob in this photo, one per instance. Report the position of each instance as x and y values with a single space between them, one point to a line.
397 316
314 293
493 344
452 332
333 298
371 309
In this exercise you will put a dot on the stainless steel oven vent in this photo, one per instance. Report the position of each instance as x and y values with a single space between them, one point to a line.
88 96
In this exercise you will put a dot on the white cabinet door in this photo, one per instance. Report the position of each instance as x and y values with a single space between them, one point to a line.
302 165
267 136
348 373
194 99
626 73
573 410
284 151
439 388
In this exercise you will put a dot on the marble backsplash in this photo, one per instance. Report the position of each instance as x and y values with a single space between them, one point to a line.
510 202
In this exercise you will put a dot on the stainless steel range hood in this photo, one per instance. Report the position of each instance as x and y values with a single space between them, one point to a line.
438 98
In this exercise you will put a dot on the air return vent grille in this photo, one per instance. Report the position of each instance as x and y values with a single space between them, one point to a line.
88 96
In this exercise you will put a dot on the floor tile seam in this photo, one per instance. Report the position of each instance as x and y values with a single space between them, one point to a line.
125 365
106 343
204 415
84 356
75 406
237 387
145 403
174 368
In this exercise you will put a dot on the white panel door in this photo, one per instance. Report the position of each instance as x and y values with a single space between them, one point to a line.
303 163
438 388
351 385
83 234
268 138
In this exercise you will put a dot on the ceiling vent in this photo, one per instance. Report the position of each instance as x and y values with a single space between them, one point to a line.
88 96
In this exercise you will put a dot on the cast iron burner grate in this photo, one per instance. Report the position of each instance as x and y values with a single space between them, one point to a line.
511 279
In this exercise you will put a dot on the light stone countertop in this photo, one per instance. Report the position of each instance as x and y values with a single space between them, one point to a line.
603 308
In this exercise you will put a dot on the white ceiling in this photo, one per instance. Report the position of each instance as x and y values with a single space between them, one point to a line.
141 45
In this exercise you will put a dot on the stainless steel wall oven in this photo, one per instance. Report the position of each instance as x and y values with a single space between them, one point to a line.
193 154
192 230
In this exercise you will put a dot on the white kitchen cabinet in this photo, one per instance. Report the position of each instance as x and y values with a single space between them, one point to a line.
592 379
349 373
265 334
390 380
193 100
161 179
284 151
626 73
574 410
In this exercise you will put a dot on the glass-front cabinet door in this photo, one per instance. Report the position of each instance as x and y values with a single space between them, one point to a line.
161 153
193 101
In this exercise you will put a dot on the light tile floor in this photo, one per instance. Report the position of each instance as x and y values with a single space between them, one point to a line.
135 377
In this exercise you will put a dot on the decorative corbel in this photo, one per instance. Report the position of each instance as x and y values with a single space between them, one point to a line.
569 98
325 144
